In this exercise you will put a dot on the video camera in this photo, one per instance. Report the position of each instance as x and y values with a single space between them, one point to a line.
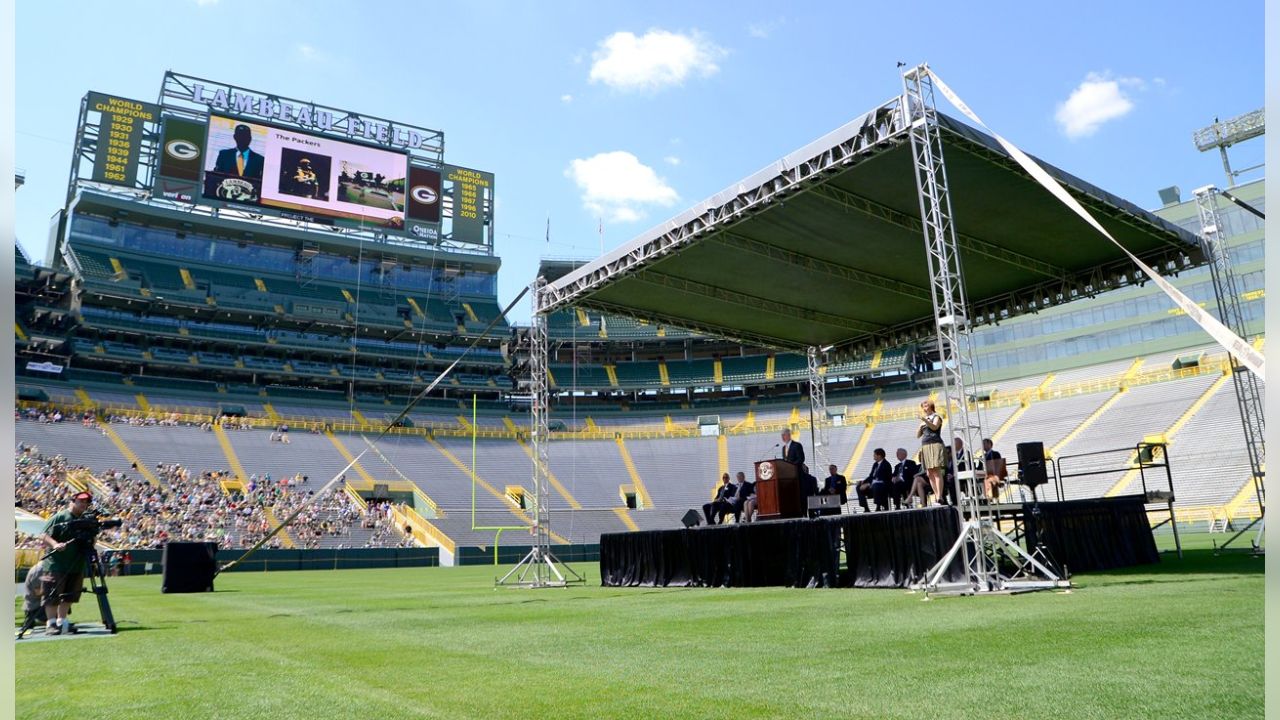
87 526
83 533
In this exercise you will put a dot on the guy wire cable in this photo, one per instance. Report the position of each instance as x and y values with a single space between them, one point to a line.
386 429
1226 194
419 350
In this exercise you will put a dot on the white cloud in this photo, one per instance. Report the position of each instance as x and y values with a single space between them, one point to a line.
1096 100
306 52
671 160
618 187
762 30
652 61
566 98
624 215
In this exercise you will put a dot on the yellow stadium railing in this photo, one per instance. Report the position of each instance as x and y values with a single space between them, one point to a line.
655 430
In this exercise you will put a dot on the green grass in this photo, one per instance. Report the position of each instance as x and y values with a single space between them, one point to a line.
1179 640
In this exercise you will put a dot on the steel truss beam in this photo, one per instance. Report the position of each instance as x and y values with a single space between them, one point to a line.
878 128
980 544
819 421
540 568
1226 290
819 266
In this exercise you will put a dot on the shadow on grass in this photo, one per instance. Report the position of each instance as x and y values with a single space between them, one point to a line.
133 626
1192 562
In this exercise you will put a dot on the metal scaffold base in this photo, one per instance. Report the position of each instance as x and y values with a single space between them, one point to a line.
539 569
1256 544
979 548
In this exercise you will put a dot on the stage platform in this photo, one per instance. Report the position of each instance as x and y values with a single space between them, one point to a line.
868 550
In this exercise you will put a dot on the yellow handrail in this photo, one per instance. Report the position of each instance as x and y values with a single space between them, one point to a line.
655 430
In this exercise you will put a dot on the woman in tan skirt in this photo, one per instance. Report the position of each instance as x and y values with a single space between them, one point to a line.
933 451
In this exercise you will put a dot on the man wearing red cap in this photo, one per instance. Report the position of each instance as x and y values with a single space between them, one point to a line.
63 577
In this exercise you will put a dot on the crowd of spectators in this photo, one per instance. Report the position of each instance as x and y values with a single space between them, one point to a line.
46 414
184 505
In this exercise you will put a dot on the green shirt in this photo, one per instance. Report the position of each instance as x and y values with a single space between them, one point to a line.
67 559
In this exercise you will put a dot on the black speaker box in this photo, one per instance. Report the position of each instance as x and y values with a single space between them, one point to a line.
691 519
189 567
1031 467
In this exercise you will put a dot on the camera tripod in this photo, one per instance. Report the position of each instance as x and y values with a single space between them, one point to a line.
97 576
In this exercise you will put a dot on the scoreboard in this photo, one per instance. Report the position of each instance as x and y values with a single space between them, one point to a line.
216 145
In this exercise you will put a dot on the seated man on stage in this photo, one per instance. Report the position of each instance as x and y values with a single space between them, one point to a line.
904 473
996 472
745 494
749 503
957 461
835 484
876 482
808 487
715 510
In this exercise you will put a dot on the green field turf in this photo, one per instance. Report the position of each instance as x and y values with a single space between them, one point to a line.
1179 640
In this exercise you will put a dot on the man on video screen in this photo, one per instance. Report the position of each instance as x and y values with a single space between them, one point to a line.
305 182
240 161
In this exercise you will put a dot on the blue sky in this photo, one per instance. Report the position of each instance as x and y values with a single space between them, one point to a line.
629 113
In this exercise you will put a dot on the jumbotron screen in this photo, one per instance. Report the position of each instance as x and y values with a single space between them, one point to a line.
252 164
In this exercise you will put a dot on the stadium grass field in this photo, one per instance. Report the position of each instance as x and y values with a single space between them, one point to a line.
1182 639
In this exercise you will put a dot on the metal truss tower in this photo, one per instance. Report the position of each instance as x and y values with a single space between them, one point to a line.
540 568
1227 293
819 421
980 544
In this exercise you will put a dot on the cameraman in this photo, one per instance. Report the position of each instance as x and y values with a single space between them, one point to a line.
63 577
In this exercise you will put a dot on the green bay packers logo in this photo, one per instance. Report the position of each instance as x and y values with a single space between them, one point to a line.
182 149
424 194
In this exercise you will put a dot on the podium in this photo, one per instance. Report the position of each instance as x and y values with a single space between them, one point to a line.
778 492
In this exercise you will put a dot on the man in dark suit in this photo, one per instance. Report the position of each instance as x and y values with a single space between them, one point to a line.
715 509
995 471
808 488
239 161
792 451
835 484
904 473
957 462
876 483
746 491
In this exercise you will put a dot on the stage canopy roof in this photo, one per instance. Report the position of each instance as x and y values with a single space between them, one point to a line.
825 247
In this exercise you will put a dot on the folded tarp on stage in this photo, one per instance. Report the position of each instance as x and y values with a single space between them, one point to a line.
890 549
1099 534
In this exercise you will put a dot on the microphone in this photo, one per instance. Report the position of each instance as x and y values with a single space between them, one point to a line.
776 453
